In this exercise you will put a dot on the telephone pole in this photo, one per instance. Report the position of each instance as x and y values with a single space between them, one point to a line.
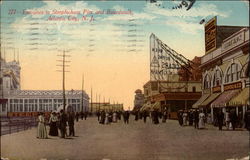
91 101
82 90
99 102
63 65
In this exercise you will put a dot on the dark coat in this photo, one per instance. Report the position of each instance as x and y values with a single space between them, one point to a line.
63 120
71 118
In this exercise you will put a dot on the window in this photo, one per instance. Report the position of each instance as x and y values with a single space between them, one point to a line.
3 107
233 73
194 89
217 78
206 84
154 86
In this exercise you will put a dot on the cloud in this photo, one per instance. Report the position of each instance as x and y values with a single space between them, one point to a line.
119 8
202 10
184 26
134 16
182 20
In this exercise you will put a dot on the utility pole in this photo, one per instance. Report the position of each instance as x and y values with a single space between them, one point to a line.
63 65
82 90
109 104
1 74
91 102
99 102
96 103
104 103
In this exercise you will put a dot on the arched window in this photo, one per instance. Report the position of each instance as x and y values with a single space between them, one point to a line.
217 78
233 73
206 82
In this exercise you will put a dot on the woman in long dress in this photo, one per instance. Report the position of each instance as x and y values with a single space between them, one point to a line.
53 121
41 129
201 120
184 116
114 117
107 118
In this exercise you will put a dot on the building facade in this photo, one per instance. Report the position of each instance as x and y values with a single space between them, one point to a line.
26 101
225 75
106 106
139 99
175 81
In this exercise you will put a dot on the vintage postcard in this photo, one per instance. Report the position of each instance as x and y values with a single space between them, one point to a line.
124 80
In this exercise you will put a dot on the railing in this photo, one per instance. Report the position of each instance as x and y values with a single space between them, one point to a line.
16 124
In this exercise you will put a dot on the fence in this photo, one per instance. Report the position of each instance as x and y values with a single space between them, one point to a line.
16 124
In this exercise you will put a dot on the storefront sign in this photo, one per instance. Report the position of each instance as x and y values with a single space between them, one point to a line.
233 42
237 85
216 89
210 35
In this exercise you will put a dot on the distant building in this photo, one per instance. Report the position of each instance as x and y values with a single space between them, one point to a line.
10 76
106 106
17 102
139 99
175 81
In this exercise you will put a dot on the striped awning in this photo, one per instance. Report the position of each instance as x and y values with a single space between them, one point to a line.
224 98
145 106
209 100
241 99
199 101
157 105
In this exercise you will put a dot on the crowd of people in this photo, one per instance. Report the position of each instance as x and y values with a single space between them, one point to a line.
230 119
108 117
155 115
58 123
192 117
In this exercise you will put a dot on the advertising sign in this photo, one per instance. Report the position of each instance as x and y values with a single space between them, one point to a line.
210 35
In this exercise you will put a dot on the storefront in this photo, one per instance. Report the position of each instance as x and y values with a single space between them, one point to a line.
226 75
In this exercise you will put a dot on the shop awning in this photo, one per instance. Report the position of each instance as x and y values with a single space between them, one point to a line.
209 100
157 105
224 98
241 99
199 101
146 106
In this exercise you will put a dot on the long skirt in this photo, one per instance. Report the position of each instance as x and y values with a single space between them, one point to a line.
106 120
114 118
53 129
184 121
201 124
41 131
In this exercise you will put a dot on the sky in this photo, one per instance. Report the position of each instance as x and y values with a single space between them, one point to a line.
110 50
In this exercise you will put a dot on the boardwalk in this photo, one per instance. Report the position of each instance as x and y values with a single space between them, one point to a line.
136 141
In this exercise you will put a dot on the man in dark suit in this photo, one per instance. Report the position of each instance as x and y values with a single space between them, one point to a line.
233 118
71 118
247 119
196 118
220 118
126 117
63 123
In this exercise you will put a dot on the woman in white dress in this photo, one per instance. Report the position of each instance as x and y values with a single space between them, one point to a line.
41 129
184 116
201 120
107 118
114 117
